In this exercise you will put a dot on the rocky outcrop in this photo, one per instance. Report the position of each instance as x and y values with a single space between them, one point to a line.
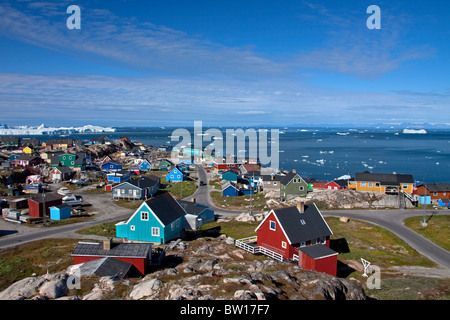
204 269
342 199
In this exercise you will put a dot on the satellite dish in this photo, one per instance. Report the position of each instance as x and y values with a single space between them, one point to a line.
366 265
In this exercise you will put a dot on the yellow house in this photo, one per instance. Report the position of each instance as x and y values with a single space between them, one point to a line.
27 150
384 183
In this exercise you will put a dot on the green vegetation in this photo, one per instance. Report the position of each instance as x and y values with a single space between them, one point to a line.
239 203
179 189
35 257
234 229
105 229
356 239
437 229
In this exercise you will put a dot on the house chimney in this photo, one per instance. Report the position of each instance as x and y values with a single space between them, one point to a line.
301 206
193 200
294 171
107 244
272 177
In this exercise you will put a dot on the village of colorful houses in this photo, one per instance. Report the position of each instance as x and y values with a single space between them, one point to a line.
296 233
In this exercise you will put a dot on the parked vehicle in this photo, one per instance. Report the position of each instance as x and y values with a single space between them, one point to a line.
64 191
78 181
73 200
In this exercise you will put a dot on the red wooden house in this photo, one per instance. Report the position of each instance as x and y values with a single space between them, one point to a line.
137 254
25 160
225 166
36 204
296 233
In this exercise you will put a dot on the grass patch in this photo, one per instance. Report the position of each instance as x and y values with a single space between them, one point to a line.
35 257
234 229
411 288
437 229
179 189
375 244
105 229
239 203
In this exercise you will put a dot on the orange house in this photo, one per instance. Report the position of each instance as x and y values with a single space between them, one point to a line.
384 183
435 190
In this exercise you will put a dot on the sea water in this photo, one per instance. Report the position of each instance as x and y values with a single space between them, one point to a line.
328 153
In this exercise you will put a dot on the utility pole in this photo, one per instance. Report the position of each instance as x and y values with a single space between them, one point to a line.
423 223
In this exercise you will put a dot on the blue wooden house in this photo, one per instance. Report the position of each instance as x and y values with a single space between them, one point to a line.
229 189
176 175
111 166
60 212
14 156
119 176
158 220
230 175
145 165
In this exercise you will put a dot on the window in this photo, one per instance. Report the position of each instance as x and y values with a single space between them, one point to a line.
377 184
155 232
363 184
171 176
73 162
370 185
323 240
301 188
274 183
405 186
272 225
123 191
302 222
132 228
302 244
144 216
283 244
178 176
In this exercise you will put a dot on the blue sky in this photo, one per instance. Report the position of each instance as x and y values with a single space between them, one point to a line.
239 63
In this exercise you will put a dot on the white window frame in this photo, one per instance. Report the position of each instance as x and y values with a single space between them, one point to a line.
274 225
155 232
283 244
132 228
144 215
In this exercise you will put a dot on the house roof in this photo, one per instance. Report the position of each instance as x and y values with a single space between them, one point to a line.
438 187
144 182
390 179
299 226
48 197
229 184
63 169
192 207
137 250
271 177
288 177
166 208
62 206
318 251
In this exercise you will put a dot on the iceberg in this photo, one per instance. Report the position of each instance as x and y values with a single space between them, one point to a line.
41 130
413 131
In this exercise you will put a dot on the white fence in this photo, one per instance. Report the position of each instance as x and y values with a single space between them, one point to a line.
249 245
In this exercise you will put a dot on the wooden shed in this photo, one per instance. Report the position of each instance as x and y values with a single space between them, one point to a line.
318 258
36 204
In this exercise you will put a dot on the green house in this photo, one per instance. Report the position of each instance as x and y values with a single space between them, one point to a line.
165 165
291 186
77 160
